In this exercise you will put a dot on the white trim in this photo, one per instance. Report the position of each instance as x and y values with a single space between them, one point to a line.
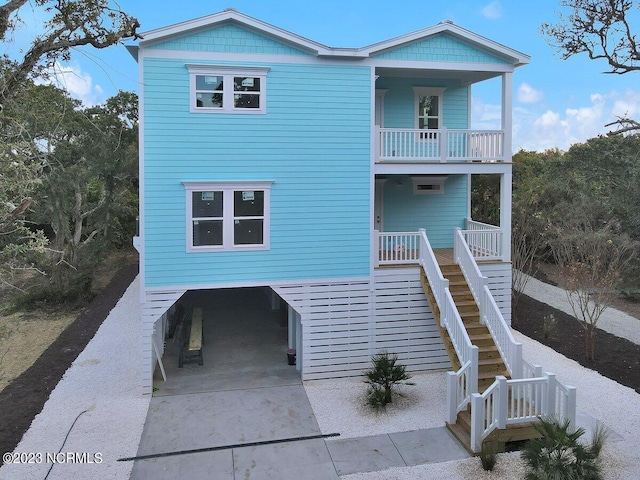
141 184
228 72
473 67
263 283
228 189
439 168
457 32
427 92
232 16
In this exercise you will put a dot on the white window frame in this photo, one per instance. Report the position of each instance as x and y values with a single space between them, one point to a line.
228 189
427 92
228 72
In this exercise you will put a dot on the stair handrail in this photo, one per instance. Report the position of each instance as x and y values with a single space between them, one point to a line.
490 314
523 400
449 316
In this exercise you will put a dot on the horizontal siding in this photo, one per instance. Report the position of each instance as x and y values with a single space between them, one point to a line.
313 144
400 107
440 48
344 324
439 214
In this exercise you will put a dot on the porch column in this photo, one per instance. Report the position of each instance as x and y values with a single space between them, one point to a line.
505 214
507 114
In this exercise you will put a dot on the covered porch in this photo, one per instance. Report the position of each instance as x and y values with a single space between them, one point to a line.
484 241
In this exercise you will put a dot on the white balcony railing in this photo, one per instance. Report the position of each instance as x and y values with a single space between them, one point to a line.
397 248
441 145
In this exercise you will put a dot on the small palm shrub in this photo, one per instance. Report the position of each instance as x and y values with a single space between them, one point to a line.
385 374
559 455
488 456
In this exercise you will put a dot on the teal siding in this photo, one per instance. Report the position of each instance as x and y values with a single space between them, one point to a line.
313 143
229 39
440 48
439 214
400 108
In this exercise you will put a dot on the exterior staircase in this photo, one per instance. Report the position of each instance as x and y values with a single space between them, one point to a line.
490 362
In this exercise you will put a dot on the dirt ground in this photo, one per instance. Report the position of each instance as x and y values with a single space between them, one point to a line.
24 397
51 353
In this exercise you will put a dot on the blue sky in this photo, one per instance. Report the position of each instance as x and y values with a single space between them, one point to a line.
556 102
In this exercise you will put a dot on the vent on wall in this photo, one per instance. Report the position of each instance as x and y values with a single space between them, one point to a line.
428 184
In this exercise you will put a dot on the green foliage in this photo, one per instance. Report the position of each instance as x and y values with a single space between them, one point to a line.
558 454
383 377
488 456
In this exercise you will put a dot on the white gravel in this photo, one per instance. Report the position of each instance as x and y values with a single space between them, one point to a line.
105 381
337 406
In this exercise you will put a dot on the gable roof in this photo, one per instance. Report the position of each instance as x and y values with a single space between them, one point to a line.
231 15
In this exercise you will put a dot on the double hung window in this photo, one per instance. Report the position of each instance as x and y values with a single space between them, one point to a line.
224 89
227 216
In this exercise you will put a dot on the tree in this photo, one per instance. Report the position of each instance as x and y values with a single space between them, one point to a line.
591 256
89 181
602 30
68 24
97 23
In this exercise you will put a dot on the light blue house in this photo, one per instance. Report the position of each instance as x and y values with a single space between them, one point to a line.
335 178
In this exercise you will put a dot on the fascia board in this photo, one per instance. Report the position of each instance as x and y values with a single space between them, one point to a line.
230 15
515 57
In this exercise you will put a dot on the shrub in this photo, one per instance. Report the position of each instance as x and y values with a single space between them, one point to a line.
488 456
558 454
385 374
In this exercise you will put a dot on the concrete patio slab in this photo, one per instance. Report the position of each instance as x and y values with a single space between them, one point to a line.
307 459
364 454
194 466
205 420
428 446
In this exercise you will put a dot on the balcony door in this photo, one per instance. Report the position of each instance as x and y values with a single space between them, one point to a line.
378 220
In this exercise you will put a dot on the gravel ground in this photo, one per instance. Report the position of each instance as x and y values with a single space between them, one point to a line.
103 382
337 408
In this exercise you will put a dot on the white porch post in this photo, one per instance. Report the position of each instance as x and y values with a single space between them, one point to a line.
505 214
507 114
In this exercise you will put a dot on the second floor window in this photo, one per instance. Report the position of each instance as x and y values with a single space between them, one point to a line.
428 110
224 89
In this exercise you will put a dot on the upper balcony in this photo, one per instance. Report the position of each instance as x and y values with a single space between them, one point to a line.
394 145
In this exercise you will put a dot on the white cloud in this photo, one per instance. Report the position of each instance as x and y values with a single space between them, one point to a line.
492 11
527 94
556 129
485 116
78 83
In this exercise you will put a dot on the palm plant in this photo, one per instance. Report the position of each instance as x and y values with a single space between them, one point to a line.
384 375
559 455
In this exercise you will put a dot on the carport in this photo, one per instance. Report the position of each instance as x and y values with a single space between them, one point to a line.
244 344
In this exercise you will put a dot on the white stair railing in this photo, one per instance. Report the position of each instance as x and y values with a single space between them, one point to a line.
465 383
490 315
508 402
484 240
